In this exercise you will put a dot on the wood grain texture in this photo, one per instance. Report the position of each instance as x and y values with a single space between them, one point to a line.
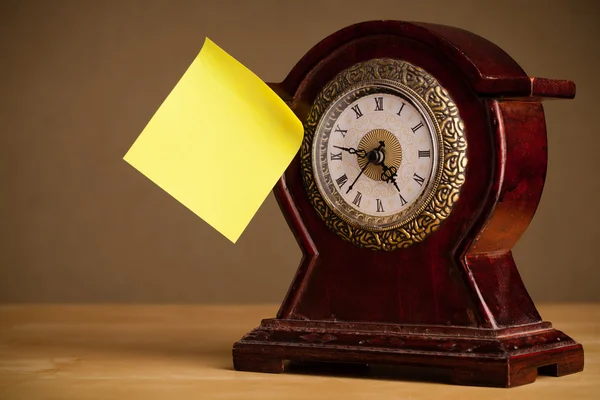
463 275
184 352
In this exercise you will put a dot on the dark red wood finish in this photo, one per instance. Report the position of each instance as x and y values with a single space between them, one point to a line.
456 300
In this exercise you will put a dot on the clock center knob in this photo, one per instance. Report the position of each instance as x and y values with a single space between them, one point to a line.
376 156
390 154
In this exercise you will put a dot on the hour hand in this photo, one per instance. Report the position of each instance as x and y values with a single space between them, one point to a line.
359 153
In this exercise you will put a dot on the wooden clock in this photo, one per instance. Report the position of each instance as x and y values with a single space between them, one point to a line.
423 162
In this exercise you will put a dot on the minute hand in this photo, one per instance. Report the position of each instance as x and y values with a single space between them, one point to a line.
361 172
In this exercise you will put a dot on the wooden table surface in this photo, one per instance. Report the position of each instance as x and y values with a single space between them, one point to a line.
179 352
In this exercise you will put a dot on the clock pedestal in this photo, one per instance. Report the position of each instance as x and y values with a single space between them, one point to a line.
502 357
455 300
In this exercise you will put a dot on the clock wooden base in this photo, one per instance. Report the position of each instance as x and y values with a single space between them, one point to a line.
503 358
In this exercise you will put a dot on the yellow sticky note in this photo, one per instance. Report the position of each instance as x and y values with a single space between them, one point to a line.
219 142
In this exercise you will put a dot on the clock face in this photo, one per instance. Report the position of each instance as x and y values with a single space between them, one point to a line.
384 154
376 155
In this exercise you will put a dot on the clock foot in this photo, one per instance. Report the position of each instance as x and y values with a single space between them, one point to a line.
570 363
523 369
256 363
495 376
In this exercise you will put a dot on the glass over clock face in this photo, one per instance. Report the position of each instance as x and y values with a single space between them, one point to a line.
376 155
384 154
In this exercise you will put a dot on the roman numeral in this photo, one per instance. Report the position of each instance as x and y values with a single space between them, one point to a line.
401 107
356 109
402 200
337 156
379 206
424 154
342 131
416 128
418 179
357 199
341 181
378 103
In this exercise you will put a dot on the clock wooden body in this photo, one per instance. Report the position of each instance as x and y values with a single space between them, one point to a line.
454 300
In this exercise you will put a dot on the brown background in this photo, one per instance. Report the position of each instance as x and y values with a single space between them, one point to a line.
79 80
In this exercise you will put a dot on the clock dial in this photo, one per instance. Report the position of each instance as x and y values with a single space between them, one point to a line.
376 155
384 154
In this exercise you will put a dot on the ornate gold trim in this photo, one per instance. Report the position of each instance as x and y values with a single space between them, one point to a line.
452 164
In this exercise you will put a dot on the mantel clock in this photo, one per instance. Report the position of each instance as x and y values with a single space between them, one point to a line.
423 162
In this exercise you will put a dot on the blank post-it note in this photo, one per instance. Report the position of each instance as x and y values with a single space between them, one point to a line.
219 142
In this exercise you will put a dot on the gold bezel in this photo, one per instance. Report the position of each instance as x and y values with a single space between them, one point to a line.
428 95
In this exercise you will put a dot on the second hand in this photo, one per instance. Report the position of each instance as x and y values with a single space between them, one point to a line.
361 172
